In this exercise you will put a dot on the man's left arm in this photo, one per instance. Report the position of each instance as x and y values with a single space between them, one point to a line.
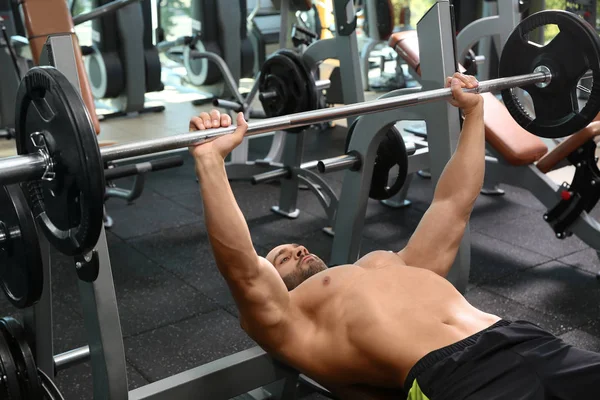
436 240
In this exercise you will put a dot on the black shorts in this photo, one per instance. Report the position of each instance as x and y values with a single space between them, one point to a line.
509 360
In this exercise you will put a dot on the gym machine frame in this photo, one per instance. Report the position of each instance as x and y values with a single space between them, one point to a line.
343 47
499 27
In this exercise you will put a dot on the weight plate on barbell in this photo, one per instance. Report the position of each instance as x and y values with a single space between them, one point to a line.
311 86
14 334
283 76
10 376
390 153
571 53
21 273
69 207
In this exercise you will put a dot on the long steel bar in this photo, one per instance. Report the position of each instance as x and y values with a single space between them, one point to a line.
133 149
32 166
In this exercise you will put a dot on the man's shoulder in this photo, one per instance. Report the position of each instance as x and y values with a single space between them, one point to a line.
379 258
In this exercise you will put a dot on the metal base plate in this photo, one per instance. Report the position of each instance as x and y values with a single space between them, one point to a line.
291 215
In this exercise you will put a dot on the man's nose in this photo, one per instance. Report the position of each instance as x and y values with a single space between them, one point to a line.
301 251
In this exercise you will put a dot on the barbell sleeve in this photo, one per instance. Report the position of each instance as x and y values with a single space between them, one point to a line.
71 358
134 149
23 168
322 84
33 166
347 161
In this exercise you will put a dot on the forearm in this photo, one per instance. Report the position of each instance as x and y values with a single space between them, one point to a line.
462 178
227 229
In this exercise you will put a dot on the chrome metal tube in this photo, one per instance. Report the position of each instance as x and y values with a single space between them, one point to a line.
230 105
111 153
322 84
337 163
22 168
32 166
102 10
71 358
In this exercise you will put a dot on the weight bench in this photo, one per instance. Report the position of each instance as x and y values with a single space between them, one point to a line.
515 148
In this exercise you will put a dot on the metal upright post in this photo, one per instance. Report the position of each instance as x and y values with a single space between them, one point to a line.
229 14
347 53
436 37
103 327
292 157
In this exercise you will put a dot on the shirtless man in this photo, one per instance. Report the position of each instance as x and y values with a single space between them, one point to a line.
388 326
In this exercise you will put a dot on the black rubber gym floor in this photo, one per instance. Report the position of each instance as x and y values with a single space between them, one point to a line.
176 312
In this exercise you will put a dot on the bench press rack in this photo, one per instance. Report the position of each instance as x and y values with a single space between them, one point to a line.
441 117
517 158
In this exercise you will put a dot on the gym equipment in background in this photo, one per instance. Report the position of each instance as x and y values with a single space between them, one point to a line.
11 65
254 367
123 64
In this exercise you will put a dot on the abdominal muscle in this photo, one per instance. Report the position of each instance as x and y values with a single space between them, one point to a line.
374 330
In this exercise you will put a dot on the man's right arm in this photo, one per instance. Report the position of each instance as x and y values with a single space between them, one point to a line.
257 288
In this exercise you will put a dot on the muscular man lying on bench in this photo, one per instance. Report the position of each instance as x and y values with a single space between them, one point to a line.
389 325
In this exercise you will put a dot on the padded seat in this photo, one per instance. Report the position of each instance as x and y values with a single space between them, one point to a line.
406 44
507 137
568 146
48 17
516 145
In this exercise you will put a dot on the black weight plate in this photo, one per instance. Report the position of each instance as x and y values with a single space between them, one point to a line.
283 75
3 383
11 378
311 86
569 55
21 273
31 386
70 207
391 152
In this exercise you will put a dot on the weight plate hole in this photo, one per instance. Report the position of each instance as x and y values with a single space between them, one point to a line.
43 108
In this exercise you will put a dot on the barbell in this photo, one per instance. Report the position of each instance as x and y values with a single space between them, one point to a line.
61 166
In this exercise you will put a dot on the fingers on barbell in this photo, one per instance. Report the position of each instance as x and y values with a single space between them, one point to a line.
196 124
242 125
215 117
225 120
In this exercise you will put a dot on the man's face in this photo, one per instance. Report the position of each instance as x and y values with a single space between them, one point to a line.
295 264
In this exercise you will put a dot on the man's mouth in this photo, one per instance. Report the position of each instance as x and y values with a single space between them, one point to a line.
307 258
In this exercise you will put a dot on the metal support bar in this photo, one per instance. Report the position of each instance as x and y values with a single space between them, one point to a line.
71 358
347 161
26 167
101 11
